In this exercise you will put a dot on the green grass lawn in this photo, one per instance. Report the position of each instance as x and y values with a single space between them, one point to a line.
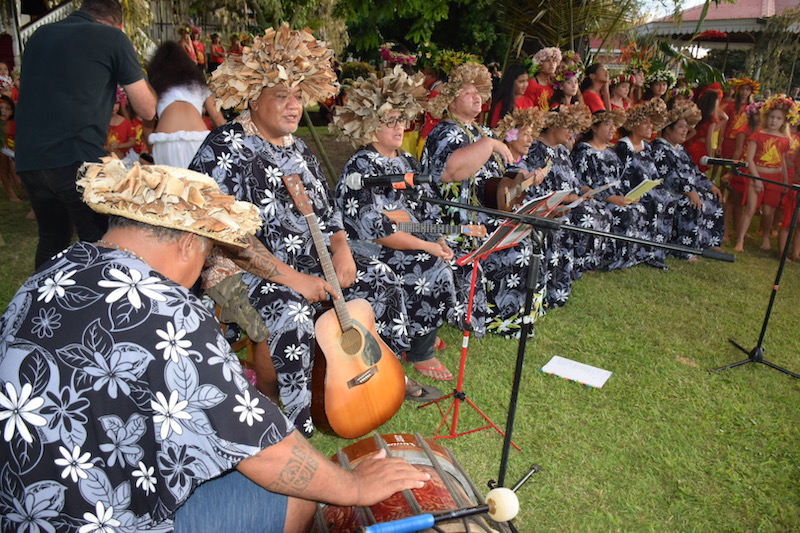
664 445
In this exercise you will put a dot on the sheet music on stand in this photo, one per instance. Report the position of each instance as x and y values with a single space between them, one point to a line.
511 232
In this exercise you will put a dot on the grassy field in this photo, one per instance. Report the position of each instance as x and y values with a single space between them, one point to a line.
664 445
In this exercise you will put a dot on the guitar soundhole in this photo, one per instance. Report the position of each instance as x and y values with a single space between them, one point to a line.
352 340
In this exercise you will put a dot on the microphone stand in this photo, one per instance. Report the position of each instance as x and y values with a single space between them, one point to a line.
532 280
756 355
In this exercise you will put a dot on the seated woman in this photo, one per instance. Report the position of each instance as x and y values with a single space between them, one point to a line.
373 118
506 269
578 252
698 218
182 98
597 165
639 163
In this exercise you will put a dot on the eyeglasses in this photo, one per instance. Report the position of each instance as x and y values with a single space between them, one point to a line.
393 122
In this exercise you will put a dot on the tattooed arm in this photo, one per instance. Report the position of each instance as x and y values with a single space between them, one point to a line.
295 468
257 260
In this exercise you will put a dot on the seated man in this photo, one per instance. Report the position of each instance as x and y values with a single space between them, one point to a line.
248 158
123 406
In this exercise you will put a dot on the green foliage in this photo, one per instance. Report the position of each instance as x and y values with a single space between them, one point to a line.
353 70
566 25
777 52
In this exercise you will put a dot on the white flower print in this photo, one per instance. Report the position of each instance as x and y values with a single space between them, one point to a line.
269 288
169 413
351 207
399 326
47 321
248 410
145 478
18 411
174 345
299 312
308 425
422 286
102 521
273 175
234 139
131 285
224 161
293 352
223 355
75 465
55 286
293 243
268 204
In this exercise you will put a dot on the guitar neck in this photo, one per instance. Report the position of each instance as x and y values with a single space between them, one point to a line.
416 227
345 321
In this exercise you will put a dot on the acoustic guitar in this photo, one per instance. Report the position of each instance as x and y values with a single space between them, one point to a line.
403 222
358 383
507 192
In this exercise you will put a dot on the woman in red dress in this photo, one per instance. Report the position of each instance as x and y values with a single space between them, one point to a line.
702 143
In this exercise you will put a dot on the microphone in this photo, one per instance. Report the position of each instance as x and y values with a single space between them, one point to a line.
356 181
705 160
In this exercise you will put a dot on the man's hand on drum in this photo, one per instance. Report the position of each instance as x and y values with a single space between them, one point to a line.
380 477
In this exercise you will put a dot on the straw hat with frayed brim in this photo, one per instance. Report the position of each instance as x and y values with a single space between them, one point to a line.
573 117
655 110
168 197
521 118
460 77
368 100
685 110
283 56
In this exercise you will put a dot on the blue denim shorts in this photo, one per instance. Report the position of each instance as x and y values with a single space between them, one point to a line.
231 503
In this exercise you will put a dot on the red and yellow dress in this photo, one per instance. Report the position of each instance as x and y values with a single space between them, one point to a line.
121 133
696 146
789 199
539 94
199 52
770 150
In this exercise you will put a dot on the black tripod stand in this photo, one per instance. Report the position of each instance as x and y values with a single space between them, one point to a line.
756 355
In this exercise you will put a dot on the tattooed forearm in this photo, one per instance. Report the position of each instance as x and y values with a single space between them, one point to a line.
257 260
297 474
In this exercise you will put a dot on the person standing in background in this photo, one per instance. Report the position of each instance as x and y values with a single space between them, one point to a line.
57 130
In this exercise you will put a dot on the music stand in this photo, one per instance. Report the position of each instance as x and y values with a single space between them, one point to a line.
510 233
756 355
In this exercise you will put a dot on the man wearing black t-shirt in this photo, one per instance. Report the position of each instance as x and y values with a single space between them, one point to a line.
70 73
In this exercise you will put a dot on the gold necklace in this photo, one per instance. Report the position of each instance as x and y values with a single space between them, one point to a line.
115 246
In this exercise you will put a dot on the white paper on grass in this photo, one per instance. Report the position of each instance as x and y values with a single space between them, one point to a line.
575 371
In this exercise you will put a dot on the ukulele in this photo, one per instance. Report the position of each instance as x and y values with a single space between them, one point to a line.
358 383
507 192
403 222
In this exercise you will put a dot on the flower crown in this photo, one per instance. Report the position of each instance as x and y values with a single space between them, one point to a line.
622 78
390 56
682 91
661 75
754 109
784 103
568 72
549 53
739 82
